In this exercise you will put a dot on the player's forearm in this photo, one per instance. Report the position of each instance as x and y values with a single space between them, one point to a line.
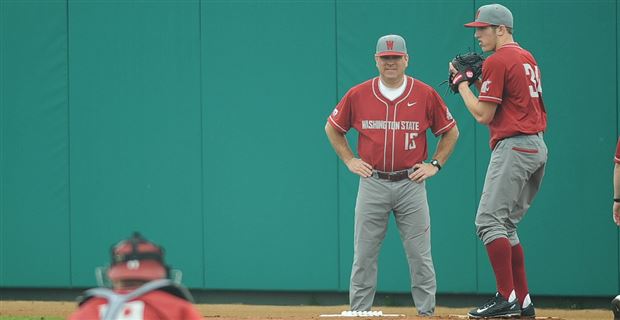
339 143
446 144
471 102
616 181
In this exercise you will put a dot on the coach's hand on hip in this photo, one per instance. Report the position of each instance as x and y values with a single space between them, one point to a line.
423 171
359 167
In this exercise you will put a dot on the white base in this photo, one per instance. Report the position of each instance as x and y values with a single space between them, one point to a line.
366 314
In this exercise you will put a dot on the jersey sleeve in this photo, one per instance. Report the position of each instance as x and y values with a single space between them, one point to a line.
493 75
440 118
191 313
341 116
617 157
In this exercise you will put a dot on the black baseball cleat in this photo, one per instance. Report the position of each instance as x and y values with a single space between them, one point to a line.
615 307
496 307
528 312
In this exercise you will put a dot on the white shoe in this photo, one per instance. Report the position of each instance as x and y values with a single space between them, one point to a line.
615 307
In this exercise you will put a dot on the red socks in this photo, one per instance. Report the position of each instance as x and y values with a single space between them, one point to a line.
518 272
500 254
509 266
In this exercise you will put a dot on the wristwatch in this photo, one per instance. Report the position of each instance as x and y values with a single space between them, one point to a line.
436 164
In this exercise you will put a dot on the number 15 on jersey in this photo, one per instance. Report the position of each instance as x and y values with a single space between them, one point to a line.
410 140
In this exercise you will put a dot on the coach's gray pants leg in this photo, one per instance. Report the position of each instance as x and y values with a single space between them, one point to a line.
375 200
413 220
371 218
513 178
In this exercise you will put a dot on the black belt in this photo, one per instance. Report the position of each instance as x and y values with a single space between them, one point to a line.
392 176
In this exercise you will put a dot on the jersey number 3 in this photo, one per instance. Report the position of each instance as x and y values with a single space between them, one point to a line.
534 74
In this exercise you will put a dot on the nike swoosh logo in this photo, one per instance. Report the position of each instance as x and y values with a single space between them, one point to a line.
409 104
485 309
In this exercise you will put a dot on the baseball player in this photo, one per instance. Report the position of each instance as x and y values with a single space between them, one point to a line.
141 289
511 104
616 207
391 113
615 303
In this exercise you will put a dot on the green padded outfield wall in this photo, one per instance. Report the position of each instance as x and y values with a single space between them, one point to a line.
451 220
35 229
200 124
135 130
568 234
270 185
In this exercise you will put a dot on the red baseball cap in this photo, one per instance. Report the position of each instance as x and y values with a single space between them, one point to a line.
137 259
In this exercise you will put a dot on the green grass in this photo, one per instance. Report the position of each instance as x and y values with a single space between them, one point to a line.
29 318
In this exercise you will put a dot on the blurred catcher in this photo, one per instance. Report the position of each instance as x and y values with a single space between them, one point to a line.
141 287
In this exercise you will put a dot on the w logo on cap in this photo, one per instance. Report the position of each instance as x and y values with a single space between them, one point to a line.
390 45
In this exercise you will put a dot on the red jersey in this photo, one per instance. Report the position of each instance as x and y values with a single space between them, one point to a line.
511 78
617 158
392 134
150 306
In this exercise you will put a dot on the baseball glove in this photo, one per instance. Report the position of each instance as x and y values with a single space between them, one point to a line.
468 67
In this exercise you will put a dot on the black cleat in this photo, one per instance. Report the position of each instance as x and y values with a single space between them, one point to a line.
528 312
497 307
615 307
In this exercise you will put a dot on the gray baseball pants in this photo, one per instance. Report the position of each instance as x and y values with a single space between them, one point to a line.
513 178
376 198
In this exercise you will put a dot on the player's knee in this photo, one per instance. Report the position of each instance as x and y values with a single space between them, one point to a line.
481 228
488 233
513 238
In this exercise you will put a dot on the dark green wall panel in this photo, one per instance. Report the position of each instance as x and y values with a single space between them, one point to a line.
568 227
270 176
34 212
429 50
200 123
618 121
135 131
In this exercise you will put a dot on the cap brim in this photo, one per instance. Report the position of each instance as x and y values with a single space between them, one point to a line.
148 270
477 24
390 53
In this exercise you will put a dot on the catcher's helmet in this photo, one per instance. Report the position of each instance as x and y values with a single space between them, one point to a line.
137 259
